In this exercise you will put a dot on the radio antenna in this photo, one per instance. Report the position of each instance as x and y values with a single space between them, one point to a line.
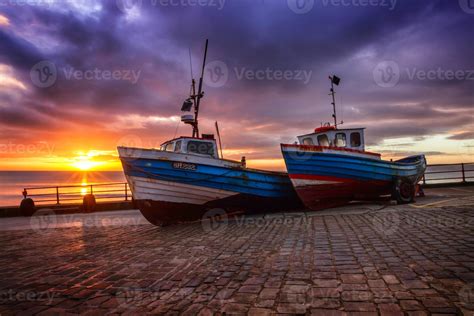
200 94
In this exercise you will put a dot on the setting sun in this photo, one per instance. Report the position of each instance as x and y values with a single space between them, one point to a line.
86 162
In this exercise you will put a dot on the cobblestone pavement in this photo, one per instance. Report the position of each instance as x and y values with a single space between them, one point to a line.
357 260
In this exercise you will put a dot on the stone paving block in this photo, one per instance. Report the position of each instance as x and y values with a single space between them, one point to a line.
353 278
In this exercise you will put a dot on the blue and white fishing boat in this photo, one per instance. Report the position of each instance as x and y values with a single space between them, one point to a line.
186 177
331 167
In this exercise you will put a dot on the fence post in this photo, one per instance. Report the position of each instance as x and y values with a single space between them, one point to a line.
424 179
126 191
57 195
92 190
463 173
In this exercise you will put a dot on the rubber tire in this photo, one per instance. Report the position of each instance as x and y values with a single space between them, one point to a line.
89 203
404 191
27 207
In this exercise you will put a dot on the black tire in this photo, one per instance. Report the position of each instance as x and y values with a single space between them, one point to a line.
404 191
27 207
89 203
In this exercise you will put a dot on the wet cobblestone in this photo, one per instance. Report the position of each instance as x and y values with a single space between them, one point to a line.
397 260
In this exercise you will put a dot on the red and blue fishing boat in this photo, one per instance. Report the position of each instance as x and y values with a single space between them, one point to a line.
330 167
186 177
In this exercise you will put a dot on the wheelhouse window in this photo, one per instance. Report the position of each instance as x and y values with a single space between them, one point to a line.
340 140
355 140
323 140
177 147
308 141
202 148
169 147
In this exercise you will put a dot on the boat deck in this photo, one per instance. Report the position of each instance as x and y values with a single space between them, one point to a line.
370 258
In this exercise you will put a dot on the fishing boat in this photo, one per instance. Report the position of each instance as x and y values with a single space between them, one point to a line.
186 177
330 167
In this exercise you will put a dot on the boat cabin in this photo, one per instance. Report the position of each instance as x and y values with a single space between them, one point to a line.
205 146
329 136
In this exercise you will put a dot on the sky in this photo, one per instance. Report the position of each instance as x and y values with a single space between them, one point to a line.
79 78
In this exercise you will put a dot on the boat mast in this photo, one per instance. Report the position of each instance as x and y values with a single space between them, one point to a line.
335 80
197 98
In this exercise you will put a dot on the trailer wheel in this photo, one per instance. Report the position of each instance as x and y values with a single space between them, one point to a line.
405 191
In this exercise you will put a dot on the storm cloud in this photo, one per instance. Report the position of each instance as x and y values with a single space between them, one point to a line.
407 70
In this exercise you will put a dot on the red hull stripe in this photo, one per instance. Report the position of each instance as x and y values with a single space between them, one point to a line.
321 178
330 178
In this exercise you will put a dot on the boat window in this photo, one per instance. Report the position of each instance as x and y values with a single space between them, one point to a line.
340 140
323 140
169 147
177 148
355 140
203 148
308 141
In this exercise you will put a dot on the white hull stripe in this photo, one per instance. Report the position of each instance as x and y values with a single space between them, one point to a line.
158 190
306 182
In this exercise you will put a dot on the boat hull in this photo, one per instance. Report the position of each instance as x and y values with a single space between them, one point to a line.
328 177
173 187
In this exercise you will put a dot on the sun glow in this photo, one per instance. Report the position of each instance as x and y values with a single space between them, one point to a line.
86 162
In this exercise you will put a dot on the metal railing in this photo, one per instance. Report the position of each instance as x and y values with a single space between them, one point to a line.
74 194
435 174
449 173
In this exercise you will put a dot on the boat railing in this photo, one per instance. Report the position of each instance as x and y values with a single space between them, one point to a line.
461 173
75 194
